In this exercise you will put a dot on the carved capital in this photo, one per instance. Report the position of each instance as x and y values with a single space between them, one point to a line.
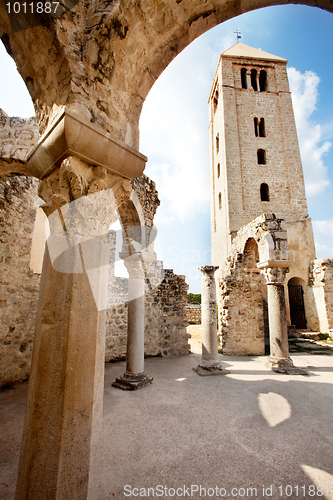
136 262
75 179
81 198
275 275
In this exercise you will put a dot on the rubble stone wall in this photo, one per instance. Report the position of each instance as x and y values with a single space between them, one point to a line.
241 312
19 286
17 138
321 281
193 314
165 320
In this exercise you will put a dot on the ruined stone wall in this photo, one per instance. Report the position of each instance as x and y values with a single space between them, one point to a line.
321 281
193 314
19 286
241 306
17 137
165 320
165 306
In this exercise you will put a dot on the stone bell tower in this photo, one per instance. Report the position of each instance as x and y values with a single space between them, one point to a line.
255 160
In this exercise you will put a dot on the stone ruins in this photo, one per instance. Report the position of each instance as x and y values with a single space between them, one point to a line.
262 237
88 69
22 247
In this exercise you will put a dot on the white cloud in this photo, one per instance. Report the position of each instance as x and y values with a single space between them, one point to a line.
304 89
174 133
323 235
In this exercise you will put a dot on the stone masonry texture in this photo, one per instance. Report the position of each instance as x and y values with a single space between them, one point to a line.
165 318
193 314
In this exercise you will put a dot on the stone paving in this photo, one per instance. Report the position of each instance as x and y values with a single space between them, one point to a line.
249 429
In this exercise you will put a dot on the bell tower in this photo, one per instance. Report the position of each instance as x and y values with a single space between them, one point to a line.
255 163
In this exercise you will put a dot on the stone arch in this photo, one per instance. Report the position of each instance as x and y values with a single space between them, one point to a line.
269 232
110 61
251 253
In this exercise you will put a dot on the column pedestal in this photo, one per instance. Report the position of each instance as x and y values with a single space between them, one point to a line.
210 364
135 377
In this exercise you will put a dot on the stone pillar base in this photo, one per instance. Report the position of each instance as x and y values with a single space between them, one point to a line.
284 365
205 370
132 381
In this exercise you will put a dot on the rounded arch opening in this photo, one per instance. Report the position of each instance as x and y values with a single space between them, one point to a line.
251 253
296 288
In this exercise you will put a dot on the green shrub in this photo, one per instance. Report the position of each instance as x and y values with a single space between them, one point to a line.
194 298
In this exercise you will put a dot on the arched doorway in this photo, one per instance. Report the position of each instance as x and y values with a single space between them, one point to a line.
296 302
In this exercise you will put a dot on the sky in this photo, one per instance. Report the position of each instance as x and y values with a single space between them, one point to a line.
174 126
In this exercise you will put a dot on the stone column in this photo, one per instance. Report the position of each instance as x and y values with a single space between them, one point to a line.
135 377
65 397
248 79
279 360
210 364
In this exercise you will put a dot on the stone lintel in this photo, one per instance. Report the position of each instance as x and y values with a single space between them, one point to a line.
71 135
274 263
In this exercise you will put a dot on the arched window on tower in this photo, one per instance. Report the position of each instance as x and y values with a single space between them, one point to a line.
264 192
243 78
217 142
261 154
216 99
218 170
254 79
220 201
262 132
256 126
263 80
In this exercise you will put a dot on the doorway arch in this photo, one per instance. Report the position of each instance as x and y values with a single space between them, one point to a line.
296 288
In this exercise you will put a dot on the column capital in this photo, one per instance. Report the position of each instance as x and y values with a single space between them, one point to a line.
208 269
134 262
75 179
275 275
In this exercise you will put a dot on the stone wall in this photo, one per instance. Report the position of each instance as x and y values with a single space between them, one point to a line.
241 304
165 330
19 286
165 320
193 314
321 281
17 137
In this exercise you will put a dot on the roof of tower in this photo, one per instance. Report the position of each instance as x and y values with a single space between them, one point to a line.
241 50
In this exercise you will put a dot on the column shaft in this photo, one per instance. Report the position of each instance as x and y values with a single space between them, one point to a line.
65 397
279 359
210 364
278 329
209 319
136 323
135 377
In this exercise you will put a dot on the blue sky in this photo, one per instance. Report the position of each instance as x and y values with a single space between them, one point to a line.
174 125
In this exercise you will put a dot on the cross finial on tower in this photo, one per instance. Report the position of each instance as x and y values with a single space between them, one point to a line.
238 34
